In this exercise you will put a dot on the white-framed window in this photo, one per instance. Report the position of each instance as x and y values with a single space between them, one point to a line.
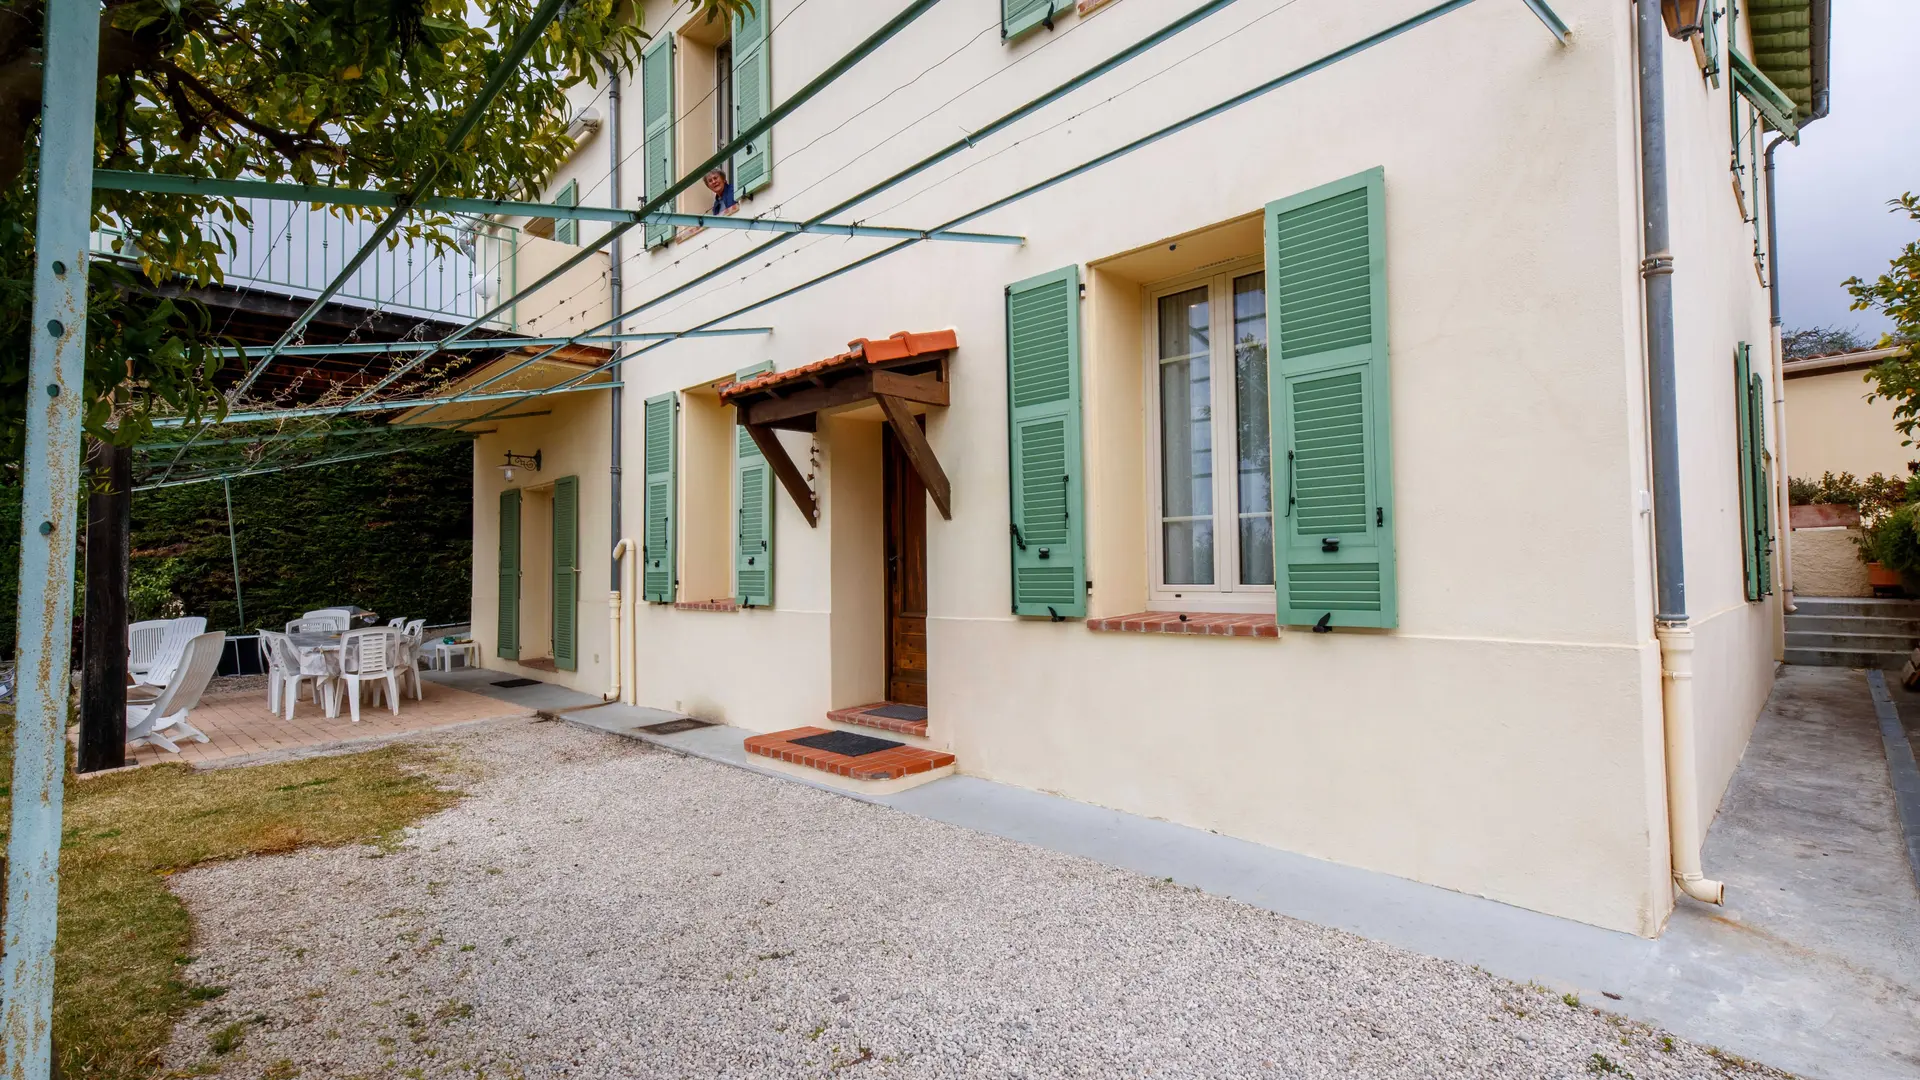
1209 443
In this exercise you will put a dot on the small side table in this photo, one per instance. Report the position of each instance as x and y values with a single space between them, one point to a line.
444 652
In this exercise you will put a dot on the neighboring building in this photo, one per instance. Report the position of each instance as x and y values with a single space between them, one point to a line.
1833 428
1364 352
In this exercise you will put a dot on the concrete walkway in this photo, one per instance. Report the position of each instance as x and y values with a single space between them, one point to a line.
1813 965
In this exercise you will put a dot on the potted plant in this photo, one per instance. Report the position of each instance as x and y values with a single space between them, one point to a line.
1890 546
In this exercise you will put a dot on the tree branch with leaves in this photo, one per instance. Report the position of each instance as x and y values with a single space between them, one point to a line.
351 93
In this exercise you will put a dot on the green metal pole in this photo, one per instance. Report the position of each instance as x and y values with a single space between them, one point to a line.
1234 102
543 17
233 547
49 521
665 198
963 143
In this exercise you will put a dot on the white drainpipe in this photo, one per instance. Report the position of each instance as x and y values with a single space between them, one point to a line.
615 611
1683 792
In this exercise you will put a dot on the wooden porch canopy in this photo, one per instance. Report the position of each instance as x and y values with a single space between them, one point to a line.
894 373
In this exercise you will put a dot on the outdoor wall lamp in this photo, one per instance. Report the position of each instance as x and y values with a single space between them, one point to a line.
1683 18
520 461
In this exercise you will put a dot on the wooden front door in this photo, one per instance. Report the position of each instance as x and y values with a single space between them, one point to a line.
906 552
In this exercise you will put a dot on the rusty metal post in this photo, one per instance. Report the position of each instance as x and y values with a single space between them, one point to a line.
49 517
103 675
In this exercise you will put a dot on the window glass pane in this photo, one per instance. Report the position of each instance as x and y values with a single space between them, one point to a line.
1186 438
1251 436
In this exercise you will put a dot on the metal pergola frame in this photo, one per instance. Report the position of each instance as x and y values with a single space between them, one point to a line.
49 510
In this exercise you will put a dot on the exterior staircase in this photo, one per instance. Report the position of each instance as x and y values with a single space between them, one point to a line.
1852 632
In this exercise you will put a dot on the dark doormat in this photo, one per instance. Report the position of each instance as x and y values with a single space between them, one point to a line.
518 682
900 712
847 743
674 727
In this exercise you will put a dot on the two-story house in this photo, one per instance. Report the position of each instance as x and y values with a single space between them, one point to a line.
1311 441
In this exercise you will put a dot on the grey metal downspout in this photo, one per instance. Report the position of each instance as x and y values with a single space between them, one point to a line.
1675 636
1656 271
616 652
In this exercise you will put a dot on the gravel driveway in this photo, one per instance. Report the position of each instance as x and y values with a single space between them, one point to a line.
599 908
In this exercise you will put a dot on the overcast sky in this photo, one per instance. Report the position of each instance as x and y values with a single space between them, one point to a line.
1834 187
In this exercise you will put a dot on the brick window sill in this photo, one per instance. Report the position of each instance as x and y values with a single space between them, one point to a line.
1207 624
706 605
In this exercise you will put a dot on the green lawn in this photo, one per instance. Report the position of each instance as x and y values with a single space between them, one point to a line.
125 939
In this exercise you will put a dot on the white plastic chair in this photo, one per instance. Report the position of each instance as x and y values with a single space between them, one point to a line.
344 614
370 656
143 644
317 624
399 623
164 720
412 641
173 644
294 669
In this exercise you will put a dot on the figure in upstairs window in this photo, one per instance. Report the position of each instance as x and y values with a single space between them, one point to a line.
722 188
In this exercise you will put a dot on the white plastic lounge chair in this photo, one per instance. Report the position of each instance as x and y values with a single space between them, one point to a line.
370 656
164 720
293 669
173 643
143 644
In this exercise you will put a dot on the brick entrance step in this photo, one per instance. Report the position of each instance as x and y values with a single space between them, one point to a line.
850 761
885 716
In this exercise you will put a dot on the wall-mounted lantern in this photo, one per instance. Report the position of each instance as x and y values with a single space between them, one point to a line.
520 461
1683 18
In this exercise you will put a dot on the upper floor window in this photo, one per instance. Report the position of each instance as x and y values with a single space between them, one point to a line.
1212 449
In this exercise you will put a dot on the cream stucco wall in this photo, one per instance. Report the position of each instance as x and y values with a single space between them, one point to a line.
1506 738
1836 429
1826 562
573 440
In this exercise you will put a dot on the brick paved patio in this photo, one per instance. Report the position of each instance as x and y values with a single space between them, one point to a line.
238 724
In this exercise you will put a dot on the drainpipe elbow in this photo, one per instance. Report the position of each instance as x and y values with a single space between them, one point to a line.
1704 889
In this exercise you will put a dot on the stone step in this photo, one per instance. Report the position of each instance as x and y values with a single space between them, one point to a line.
1856 605
890 769
1852 658
1854 624
1821 639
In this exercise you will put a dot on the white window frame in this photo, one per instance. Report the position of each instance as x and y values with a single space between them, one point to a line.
1226 594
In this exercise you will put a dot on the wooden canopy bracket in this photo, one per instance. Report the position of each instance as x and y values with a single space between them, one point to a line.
784 468
919 452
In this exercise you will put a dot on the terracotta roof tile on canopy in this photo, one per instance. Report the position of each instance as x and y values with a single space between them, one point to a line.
897 373
859 351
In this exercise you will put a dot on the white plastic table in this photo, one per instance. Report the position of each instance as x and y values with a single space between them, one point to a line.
445 651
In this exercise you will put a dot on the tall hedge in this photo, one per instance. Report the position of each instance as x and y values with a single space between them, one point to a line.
391 534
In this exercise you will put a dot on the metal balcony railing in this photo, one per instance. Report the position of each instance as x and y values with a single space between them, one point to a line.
295 251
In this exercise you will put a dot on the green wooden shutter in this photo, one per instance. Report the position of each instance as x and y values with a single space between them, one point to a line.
1043 445
1749 496
1019 16
1762 484
1710 42
656 109
752 97
657 547
507 637
1327 366
753 516
567 230
566 573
